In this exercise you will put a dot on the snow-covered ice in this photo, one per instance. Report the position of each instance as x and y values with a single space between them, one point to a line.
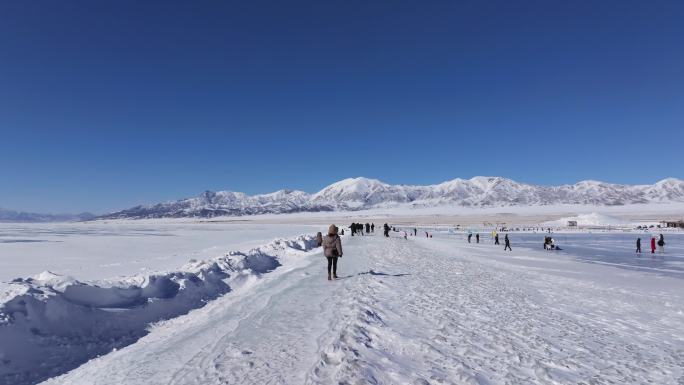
423 311
97 250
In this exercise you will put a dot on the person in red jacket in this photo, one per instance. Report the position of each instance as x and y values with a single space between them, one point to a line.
653 245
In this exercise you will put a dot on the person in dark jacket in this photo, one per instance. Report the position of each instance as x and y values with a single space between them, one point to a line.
661 244
319 239
496 238
507 243
477 238
386 230
638 250
469 236
372 227
332 249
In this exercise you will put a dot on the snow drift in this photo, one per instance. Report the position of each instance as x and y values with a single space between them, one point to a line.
363 193
50 324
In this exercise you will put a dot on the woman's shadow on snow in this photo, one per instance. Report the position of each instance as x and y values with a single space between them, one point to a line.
371 272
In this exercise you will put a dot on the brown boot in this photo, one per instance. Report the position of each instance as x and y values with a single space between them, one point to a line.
334 276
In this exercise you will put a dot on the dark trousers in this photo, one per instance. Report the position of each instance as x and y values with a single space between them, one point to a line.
332 263
508 246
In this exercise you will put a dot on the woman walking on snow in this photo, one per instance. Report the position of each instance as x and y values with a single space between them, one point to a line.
332 249
652 245
507 243
638 250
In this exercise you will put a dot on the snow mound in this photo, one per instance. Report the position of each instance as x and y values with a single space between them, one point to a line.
590 219
50 324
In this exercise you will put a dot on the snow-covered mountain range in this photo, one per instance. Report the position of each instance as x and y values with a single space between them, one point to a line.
363 193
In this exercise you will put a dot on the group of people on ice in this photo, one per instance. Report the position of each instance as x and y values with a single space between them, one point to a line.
358 228
495 235
660 242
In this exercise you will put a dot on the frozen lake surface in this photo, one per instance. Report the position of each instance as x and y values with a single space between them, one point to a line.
105 250
601 247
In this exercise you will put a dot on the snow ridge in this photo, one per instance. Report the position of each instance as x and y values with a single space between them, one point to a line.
364 193
54 323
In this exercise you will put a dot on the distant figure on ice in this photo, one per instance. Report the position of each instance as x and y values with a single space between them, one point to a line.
332 249
367 228
470 235
653 243
386 230
427 235
661 244
415 232
638 250
507 243
496 238
550 244
319 239
372 227
477 238
405 235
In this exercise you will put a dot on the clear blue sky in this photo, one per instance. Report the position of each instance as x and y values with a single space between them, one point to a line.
108 104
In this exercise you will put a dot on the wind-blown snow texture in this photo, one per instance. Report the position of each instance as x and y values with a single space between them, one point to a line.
364 193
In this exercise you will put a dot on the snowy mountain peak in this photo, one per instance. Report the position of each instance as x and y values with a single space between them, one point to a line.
365 193
355 184
352 190
670 181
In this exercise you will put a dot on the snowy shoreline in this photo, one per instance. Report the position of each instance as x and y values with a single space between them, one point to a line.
50 324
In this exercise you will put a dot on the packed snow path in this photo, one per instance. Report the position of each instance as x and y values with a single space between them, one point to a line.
418 311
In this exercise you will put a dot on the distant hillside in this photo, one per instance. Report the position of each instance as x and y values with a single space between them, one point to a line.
25 217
